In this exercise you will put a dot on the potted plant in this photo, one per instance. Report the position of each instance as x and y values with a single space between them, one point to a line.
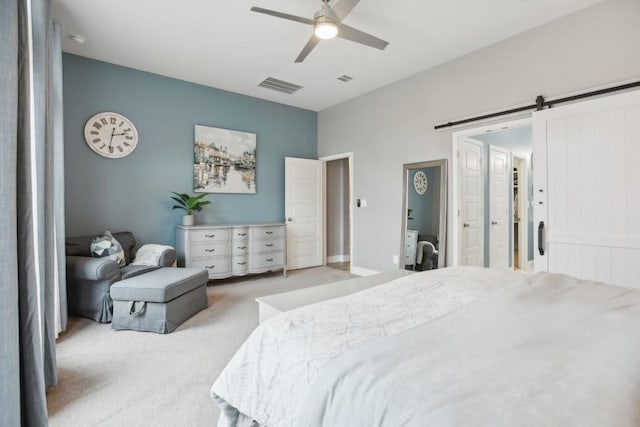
189 204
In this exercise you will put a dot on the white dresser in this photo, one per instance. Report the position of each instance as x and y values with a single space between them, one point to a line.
410 246
232 250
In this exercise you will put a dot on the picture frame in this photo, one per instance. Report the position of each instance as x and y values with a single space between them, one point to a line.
224 161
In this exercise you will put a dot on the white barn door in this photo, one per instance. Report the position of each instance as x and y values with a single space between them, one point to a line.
304 209
586 165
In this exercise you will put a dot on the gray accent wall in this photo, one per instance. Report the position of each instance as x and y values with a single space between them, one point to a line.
132 193
394 125
425 214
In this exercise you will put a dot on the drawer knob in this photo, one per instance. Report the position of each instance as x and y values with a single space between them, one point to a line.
242 247
269 259
242 263
242 234
269 245
210 266
209 250
210 235
269 232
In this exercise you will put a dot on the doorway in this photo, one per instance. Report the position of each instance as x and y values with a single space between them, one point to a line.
338 210
501 143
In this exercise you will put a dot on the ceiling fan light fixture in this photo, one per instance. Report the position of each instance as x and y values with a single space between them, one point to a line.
325 29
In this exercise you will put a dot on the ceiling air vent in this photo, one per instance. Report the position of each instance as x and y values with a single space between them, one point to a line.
345 78
280 85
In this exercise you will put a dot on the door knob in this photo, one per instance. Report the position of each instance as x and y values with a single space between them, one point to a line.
289 219
494 222
465 225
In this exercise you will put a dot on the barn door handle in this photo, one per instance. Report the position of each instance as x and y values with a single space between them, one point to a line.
540 232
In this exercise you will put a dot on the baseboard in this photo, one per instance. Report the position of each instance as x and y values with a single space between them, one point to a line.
359 271
530 265
337 258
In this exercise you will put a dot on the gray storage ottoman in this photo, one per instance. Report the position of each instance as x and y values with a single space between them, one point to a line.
160 300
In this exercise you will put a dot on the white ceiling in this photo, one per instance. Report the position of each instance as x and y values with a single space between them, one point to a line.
221 43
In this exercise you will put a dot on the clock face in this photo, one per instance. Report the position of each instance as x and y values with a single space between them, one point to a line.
420 182
111 135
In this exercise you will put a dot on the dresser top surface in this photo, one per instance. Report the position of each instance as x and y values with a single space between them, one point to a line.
209 226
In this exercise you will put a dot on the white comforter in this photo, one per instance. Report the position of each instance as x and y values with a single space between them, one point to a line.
269 377
548 351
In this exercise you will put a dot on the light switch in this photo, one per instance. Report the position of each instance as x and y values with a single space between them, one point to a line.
363 203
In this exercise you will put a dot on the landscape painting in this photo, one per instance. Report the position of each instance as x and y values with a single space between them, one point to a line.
224 161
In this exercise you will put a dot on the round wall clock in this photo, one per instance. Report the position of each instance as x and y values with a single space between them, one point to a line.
420 182
111 135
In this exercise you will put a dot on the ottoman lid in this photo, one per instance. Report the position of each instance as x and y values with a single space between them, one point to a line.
161 285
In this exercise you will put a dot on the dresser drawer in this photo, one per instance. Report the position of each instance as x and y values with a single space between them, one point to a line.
267 245
209 249
239 247
208 235
216 266
239 233
268 260
240 265
268 232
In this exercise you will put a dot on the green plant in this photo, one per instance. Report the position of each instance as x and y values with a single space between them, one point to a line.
189 203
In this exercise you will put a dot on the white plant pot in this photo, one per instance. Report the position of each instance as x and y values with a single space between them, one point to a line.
187 220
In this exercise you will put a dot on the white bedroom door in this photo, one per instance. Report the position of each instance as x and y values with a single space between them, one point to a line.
586 165
471 203
304 209
499 196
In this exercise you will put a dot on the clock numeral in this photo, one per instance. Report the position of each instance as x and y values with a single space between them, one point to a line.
96 140
102 146
127 130
120 148
111 149
94 132
104 121
121 123
112 120
126 144
128 137
97 125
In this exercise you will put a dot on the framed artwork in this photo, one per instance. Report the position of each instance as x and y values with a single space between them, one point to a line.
224 161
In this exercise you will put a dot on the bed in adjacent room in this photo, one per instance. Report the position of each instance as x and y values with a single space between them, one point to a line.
454 346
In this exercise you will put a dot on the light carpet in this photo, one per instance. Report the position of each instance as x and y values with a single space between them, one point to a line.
117 378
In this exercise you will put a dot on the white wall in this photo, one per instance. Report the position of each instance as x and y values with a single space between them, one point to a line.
595 47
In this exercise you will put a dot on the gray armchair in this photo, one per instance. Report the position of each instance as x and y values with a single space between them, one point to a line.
429 247
89 279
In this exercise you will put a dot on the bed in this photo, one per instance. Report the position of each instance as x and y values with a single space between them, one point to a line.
454 346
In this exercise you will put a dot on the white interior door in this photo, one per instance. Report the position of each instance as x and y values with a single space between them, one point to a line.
499 195
471 203
587 195
304 209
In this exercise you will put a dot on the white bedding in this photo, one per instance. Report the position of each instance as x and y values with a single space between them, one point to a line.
269 377
548 351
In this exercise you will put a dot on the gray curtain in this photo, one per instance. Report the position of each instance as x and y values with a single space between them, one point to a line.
31 234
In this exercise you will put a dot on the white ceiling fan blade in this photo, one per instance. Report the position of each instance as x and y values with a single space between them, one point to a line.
343 8
283 15
313 41
350 33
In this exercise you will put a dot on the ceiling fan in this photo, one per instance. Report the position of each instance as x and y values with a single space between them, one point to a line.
327 24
